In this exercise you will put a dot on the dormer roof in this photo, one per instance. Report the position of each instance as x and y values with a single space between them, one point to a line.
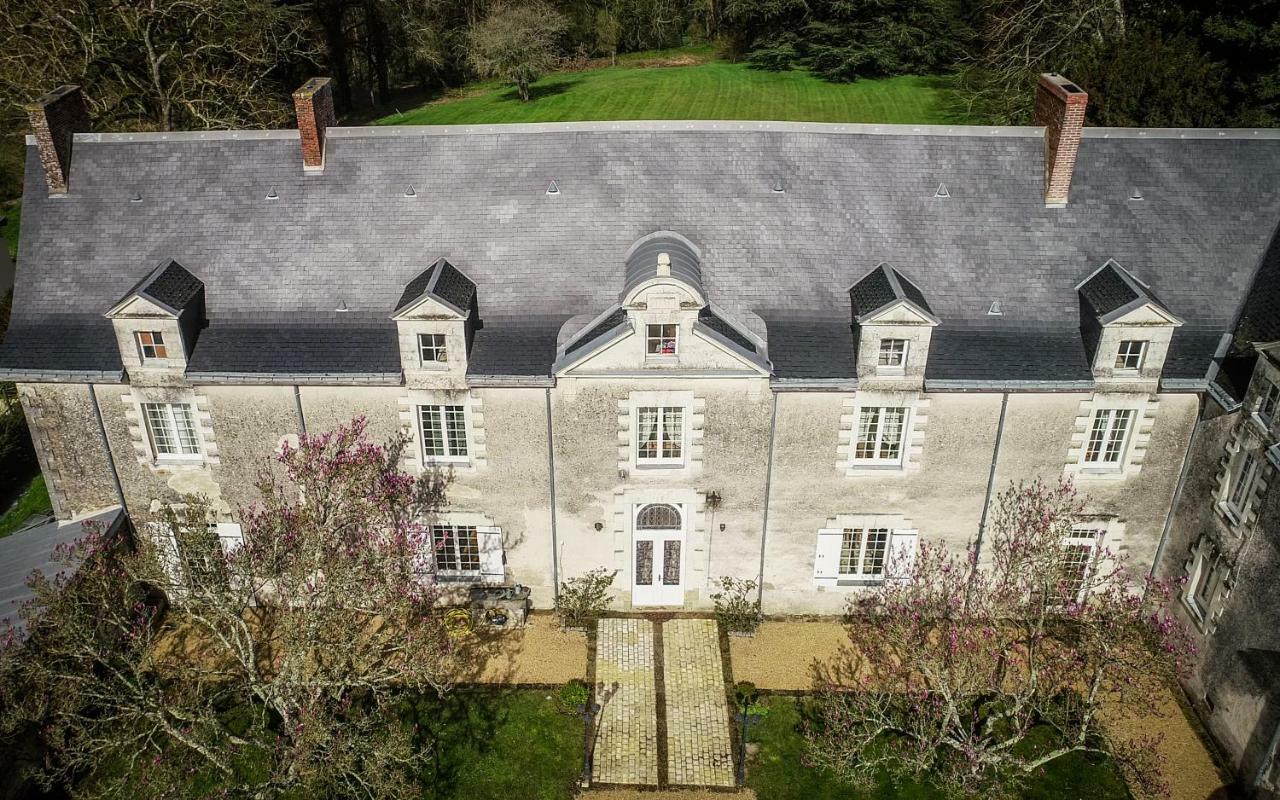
1112 292
442 282
883 289
645 264
170 287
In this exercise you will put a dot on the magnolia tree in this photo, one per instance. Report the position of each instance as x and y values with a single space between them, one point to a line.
975 676
284 658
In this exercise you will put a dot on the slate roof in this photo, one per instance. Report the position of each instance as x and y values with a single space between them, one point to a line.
725 328
170 284
1112 292
642 260
443 282
855 196
614 319
883 286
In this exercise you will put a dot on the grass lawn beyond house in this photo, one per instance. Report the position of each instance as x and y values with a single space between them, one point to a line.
711 90
34 500
778 771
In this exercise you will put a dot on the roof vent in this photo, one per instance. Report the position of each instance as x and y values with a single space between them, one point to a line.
1135 193
942 191
136 197
778 187
995 311
553 187
409 191
342 306
273 194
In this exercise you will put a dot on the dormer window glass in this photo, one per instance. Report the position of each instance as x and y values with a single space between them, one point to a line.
1268 401
1130 355
662 340
893 354
151 345
431 348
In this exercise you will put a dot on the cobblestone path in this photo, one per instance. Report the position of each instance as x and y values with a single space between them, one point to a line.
699 751
627 741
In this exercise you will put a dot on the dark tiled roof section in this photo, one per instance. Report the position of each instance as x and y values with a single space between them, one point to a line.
62 341
175 286
618 317
1191 353
1106 291
1006 354
872 292
810 347
853 200
414 288
301 348
721 326
1260 317
912 292
454 287
520 346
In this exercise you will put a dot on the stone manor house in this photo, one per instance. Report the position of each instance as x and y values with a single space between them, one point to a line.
682 350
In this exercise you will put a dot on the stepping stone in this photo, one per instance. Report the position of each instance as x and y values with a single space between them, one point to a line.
699 747
627 738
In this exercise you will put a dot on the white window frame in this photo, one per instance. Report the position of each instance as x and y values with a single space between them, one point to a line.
450 452
1123 355
663 435
878 442
649 338
442 349
1089 535
1241 478
1268 402
886 348
453 544
1108 437
167 418
142 346
860 557
1204 572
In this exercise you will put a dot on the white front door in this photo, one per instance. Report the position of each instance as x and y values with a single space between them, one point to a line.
657 555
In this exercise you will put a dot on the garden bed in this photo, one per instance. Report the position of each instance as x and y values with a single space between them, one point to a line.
538 654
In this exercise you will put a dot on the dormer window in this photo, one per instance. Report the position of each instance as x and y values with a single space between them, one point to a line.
151 345
1130 355
893 355
431 349
662 340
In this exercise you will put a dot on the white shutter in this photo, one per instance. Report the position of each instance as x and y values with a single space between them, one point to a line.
492 559
167 551
903 545
229 536
826 561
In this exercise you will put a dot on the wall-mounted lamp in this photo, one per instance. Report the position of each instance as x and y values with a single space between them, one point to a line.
713 500
599 526
722 526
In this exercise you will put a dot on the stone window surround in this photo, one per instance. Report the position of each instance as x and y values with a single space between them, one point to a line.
692 504
913 432
628 413
1110 532
473 408
1205 555
898 526
1242 442
1138 437
140 436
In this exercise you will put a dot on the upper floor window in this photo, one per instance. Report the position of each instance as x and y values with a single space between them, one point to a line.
1268 401
1108 436
444 432
878 439
1207 572
1131 354
1240 485
659 435
431 348
457 549
863 552
151 345
1081 552
172 429
662 340
893 354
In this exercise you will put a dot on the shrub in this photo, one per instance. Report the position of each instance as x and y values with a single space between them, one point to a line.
736 609
776 55
585 598
574 696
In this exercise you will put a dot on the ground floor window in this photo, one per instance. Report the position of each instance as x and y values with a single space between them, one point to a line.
1078 563
457 549
863 552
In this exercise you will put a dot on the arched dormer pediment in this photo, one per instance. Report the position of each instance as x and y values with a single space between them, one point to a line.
664 267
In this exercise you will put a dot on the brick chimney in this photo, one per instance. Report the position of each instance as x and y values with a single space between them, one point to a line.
1059 108
55 119
314 105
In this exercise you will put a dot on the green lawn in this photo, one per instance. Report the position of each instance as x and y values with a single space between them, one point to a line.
35 500
712 90
778 772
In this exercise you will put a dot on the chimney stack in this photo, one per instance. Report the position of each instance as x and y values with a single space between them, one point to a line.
1059 108
314 105
55 119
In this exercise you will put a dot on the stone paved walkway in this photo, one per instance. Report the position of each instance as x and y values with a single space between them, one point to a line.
627 740
699 750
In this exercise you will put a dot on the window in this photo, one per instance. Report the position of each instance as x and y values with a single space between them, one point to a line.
1206 578
1130 354
1081 552
151 344
172 429
1240 485
661 340
1108 436
431 348
457 549
863 552
879 436
444 433
1268 401
659 435
893 354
